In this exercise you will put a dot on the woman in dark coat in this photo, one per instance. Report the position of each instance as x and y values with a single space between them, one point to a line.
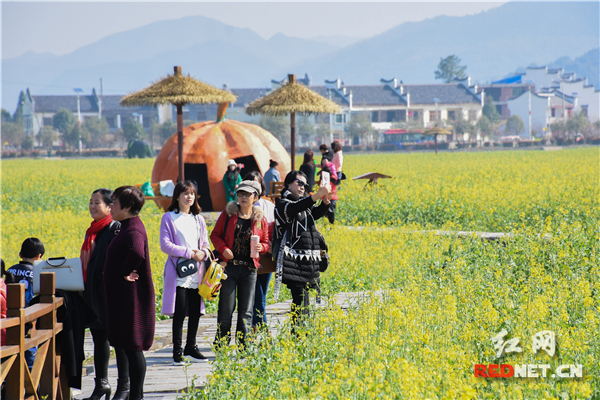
308 167
299 251
130 308
98 236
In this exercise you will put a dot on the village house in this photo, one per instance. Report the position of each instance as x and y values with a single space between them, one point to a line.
39 110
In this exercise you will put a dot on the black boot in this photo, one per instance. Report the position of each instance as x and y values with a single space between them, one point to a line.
102 389
122 392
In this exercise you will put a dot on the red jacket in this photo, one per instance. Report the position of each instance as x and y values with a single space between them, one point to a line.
260 227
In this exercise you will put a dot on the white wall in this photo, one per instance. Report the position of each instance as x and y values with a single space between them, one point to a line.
540 110
585 96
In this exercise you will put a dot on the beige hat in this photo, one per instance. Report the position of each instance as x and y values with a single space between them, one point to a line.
231 162
250 187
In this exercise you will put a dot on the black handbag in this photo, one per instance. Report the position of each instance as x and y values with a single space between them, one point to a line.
324 263
186 267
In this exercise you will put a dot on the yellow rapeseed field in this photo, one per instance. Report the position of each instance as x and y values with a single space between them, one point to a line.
431 303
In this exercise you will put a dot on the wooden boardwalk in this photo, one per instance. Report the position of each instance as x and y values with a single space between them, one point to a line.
166 381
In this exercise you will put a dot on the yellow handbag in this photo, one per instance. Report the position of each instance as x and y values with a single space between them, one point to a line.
211 283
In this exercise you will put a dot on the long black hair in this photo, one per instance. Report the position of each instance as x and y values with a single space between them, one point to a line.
184 187
232 176
291 178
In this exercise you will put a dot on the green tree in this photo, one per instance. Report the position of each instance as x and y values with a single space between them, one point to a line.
98 129
6 117
167 129
449 68
63 121
133 130
47 136
306 129
323 132
278 126
485 126
77 132
514 125
12 133
577 123
490 110
28 142
359 126
18 115
462 126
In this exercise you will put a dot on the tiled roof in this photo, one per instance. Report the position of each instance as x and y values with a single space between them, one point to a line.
53 103
383 95
110 103
247 96
88 104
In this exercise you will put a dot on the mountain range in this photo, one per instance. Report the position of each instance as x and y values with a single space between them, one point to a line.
490 44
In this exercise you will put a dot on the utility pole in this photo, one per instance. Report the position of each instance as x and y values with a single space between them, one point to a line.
530 138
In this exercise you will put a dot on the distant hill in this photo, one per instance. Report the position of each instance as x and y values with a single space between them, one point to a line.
489 44
336 40
585 66
207 49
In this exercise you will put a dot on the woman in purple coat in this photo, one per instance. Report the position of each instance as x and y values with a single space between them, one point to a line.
183 235
128 286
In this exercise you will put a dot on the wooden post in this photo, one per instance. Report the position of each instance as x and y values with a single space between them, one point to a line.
181 178
48 381
292 79
15 304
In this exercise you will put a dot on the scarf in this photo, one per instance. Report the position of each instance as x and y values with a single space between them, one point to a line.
89 243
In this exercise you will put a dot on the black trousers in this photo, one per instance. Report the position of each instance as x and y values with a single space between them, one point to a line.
300 302
137 373
190 298
102 356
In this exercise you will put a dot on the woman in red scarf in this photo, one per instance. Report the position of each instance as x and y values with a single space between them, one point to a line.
93 254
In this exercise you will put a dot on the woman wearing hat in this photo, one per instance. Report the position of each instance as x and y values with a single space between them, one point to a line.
231 180
231 237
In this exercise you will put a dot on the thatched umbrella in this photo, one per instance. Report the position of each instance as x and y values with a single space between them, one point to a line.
178 90
291 99
436 130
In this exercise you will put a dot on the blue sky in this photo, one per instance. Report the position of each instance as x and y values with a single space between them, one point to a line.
61 27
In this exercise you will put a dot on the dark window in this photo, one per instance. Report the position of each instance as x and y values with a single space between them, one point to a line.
554 112
415 115
249 165
499 108
402 115
391 116
452 115
199 174
375 116
111 122
47 121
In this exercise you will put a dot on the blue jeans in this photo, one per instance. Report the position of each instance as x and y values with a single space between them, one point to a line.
240 279
259 316
30 357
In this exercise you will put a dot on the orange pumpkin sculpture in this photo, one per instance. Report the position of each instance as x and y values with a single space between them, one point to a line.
207 146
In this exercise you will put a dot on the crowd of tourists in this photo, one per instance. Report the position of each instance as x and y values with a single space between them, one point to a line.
253 239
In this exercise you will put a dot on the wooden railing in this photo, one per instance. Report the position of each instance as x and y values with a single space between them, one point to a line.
274 190
45 379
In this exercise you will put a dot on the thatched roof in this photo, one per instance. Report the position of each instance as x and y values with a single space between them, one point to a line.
290 98
437 131
177 89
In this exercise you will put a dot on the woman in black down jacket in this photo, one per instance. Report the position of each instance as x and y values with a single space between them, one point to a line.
298 254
